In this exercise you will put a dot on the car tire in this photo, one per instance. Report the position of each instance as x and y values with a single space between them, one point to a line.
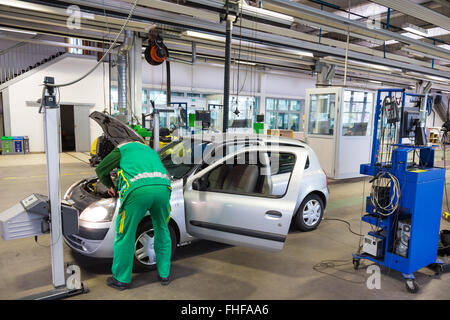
144 262
310 213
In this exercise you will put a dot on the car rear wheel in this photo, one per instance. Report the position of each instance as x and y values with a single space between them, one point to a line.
310 213
144 252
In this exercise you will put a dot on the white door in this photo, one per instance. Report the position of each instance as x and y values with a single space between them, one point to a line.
322 110
355 132
82 128
232 202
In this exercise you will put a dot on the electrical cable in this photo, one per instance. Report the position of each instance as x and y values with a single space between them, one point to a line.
77 158
333 264
361 216
386 209
107 52
444 141
346 222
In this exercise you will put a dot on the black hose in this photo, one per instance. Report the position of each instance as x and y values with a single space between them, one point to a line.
226 84
168 86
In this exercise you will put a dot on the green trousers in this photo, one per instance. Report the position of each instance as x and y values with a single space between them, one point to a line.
154 198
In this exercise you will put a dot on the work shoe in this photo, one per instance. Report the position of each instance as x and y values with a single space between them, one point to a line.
113 283
164 281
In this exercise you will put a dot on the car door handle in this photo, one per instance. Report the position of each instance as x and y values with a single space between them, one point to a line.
273 214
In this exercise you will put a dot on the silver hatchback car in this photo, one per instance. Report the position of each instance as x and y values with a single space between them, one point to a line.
234 189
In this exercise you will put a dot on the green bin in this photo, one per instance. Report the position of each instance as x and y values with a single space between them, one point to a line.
7 144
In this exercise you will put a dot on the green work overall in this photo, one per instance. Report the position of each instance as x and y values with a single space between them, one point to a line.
143 186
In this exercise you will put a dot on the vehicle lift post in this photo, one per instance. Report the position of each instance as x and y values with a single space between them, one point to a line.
420 203
51 121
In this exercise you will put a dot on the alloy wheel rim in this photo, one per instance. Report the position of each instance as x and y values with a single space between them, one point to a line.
144 249
312 212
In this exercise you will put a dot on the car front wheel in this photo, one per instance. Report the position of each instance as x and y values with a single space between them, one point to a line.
310 213
144 252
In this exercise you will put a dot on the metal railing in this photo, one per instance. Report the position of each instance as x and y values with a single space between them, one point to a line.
24 57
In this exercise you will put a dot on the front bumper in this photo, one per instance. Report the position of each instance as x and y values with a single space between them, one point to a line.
94 239
93 242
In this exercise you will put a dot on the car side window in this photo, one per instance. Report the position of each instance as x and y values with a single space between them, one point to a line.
231 147
226 148
250 174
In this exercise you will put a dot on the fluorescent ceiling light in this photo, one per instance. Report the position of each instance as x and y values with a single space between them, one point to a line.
202 35
207 36
18 31
374 66
368 9
436 78
432 32
444 46
374 81
415 29
245 62
264 13
298 52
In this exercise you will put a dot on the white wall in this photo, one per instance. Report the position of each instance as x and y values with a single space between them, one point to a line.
209 78
26 121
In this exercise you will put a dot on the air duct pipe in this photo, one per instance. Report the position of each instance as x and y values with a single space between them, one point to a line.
325 74
423 107
122 76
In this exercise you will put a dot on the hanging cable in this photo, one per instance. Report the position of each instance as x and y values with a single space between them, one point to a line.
106 53
381 205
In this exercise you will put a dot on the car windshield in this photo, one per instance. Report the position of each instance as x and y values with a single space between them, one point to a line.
180 156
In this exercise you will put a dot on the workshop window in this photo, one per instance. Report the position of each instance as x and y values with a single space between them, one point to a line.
75 42
321 114
243 110
357 113
285 114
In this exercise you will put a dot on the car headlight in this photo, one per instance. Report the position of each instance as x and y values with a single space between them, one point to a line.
100 211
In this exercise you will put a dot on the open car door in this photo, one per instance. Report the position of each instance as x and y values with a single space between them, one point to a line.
231 201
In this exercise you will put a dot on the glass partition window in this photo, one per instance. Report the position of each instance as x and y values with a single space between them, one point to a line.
242 111
321 114
285 114
357 113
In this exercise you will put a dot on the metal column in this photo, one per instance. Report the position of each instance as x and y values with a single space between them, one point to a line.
156 129
51 123
230 14
135 75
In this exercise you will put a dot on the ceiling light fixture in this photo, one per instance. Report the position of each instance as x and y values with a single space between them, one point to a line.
436 78
18 31
202 35
245 62
264 13
415 29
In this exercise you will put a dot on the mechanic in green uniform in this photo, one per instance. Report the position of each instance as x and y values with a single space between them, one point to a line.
143 185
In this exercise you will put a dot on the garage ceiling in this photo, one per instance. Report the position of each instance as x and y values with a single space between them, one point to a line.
375 33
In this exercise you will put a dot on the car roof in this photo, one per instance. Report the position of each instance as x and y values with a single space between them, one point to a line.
226 137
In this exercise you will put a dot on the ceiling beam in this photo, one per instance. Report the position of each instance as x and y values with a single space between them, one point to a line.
417 11
316 15
269 35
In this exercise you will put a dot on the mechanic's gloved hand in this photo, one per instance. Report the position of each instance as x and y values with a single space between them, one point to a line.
112 192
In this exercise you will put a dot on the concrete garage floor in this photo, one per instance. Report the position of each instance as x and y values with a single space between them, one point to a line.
208 270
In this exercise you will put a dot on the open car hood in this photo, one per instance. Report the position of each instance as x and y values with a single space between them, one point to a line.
115 130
